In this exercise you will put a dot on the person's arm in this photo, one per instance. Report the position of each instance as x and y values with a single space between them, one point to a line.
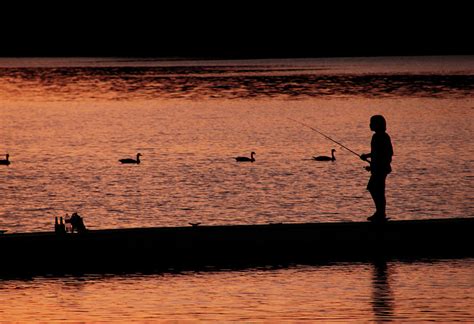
365 156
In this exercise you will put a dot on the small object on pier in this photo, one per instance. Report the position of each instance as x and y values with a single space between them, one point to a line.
2 231
378 219
62 226
77 223
59 228
194 224
67 224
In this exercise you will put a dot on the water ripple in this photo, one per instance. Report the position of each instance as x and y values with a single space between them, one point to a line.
126 83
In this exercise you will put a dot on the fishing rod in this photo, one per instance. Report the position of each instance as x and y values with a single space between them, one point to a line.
329 138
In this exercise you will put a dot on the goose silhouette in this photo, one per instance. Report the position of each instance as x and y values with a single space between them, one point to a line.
131 161
246 159
326 158
6 161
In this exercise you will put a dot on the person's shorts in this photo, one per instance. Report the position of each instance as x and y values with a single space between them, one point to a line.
377 183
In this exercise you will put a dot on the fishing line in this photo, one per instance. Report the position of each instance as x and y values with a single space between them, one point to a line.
329 138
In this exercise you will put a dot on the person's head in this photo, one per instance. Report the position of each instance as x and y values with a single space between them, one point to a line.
378 123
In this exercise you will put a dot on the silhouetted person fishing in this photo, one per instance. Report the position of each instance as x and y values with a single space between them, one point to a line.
380 158
381 152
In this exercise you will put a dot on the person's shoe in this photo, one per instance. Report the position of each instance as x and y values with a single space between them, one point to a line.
373 217
377 218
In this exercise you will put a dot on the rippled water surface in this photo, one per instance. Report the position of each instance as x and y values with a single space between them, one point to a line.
66 122
357 292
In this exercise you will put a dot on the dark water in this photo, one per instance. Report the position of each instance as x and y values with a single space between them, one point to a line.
262 80
66 122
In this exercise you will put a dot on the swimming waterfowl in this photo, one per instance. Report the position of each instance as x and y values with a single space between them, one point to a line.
246 159
326 158
6 161
131 161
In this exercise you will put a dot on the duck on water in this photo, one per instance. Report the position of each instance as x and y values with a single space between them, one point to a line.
6 161
246 159
326 158
131 161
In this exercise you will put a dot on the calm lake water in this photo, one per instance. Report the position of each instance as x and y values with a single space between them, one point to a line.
66 122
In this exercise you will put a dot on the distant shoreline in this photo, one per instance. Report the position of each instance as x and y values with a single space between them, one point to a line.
178 57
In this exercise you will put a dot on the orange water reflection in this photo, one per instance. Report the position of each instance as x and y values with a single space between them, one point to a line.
395 292
65 158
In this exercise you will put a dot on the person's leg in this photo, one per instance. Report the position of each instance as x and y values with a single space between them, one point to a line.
373 194
371 188
380 203
376 188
